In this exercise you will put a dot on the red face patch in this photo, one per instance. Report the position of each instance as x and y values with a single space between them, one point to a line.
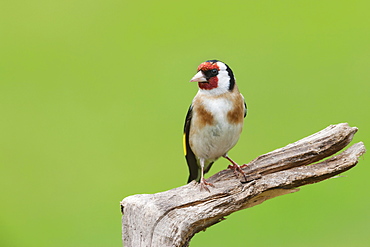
208 66
211 84
213 81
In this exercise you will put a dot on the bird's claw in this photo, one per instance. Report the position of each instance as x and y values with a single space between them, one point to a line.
238 169
203 185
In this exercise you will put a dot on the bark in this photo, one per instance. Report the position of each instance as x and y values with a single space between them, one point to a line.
171 218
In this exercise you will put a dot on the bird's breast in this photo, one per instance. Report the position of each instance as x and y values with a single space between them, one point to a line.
216 126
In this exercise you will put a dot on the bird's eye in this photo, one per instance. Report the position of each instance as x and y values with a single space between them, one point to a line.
210 73
214 72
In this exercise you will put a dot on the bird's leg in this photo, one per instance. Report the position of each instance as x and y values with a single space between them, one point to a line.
203 182
235 167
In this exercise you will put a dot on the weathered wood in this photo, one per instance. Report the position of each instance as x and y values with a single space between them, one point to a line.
171 218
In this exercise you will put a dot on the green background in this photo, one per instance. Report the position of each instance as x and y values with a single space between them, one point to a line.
93 96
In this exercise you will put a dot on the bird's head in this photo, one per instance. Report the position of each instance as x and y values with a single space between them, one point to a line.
215 76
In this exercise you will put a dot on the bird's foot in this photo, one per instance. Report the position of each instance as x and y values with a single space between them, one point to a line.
238 169
203 185
243 166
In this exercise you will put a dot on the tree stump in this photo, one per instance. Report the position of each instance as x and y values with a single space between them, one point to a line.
171 218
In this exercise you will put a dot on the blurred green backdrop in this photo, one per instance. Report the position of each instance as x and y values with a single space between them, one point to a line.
93 96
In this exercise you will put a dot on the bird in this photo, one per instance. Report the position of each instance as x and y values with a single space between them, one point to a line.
214 120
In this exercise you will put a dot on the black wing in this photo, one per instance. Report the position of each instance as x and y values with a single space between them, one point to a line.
194 171
245 109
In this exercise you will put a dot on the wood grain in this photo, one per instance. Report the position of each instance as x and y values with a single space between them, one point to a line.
171 218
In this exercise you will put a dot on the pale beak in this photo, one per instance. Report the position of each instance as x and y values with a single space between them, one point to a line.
199 77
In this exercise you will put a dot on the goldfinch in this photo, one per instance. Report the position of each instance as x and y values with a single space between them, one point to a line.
214 120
